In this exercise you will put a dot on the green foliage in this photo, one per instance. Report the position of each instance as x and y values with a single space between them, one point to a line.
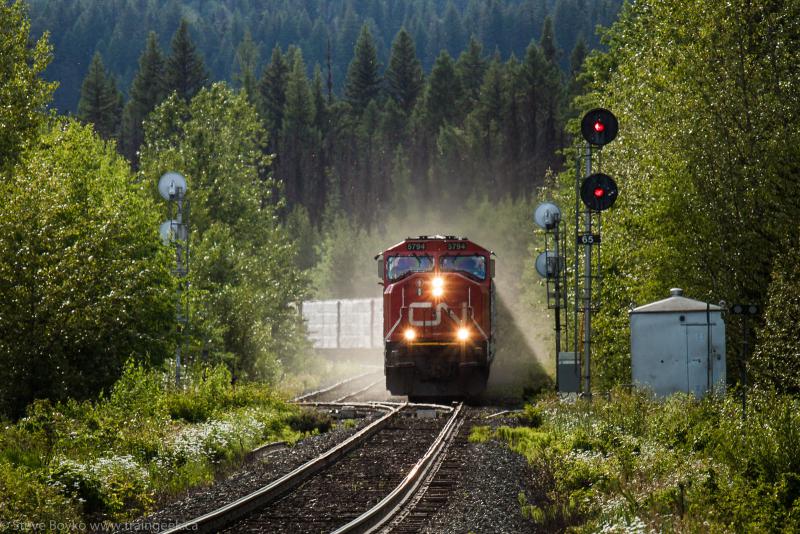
707 197
110 459
101 101
23 93
247 62
363 81
777 360
272 93
86 281
199 402
29 500
184 72
479 434
116 486
147 91
310 421
531 416
404 73
680 465
243 271
442 95
321 28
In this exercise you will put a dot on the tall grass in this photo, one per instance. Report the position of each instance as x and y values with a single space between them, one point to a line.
113 458
630 463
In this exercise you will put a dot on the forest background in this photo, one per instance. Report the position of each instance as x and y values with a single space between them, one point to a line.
317 150
299 172
306 160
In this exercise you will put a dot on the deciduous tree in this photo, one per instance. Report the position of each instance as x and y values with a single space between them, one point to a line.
23 93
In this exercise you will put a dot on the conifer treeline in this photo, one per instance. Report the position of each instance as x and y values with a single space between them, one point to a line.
474 125
118 30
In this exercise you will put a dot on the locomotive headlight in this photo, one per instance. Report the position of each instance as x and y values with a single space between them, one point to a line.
438 287
409 334
463 334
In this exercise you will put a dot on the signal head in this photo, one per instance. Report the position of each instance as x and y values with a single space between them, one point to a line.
599 126
599 192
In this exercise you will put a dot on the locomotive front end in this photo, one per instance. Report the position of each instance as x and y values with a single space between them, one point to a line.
438 317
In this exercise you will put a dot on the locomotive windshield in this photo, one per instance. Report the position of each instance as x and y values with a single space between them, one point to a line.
473 265
399 266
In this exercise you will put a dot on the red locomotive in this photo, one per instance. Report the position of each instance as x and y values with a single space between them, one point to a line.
438 316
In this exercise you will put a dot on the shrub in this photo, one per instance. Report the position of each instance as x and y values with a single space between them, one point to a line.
310 421
682 464
28 500
117 486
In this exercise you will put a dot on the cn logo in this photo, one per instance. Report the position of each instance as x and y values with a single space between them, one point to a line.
437 316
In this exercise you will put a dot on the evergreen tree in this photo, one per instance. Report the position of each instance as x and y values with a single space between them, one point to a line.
298 140
100 100
548 41
147 91
321 115
247 59
552 94
453 30
404 77
576 59
443 93
363 81
471 67
272 94
185 71
494 29
531 74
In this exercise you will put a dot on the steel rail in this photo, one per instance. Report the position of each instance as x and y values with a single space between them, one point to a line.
359 392
328 389
230 513
384 405
266 449
377 516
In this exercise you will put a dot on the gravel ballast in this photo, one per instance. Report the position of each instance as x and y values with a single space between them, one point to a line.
484 498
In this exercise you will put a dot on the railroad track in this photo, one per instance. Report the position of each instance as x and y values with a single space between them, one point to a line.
341 391
359 485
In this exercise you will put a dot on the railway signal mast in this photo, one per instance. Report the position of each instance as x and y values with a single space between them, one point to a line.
175 231
598 192
551 266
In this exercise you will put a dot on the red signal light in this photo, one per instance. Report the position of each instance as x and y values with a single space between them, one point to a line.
599 127
598 192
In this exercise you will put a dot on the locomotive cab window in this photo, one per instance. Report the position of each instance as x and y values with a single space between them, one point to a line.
472 264
399 266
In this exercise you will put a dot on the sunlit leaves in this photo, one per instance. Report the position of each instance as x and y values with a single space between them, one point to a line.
23 94
707 151
242 268
85 281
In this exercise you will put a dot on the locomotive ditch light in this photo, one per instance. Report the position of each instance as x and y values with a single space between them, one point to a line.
599 126
462 334
599 191
410 334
